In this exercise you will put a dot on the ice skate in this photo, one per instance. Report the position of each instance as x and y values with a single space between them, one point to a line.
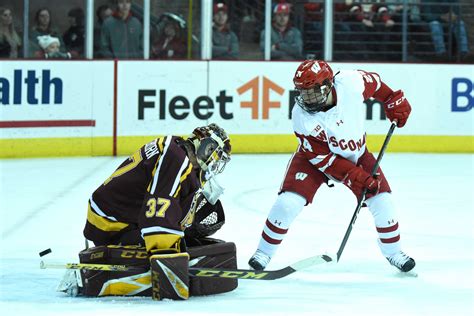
402 261
259 260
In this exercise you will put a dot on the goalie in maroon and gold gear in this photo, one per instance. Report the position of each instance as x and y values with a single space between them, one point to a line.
152 200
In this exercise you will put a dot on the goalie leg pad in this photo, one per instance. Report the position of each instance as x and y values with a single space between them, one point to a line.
169 276
204 253
104 283
212 253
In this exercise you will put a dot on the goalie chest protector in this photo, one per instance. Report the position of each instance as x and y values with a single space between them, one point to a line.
210 253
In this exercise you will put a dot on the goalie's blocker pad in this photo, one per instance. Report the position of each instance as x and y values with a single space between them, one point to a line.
204 253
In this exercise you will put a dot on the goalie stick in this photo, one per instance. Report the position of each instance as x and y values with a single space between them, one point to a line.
205 272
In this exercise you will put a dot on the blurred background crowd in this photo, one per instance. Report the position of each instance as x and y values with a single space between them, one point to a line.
374 30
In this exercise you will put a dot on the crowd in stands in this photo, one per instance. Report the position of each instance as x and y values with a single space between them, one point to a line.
362 31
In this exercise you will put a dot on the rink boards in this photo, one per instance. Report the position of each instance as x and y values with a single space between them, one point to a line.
82 108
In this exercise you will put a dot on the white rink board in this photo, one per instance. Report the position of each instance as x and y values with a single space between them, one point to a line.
87 94
274 79
187 79
427 87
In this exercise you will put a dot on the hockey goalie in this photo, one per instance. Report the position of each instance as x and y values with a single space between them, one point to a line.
155 213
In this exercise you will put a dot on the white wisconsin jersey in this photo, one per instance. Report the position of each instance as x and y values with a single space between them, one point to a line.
341 128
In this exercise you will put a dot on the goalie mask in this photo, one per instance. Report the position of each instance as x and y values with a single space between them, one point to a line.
313 80
211 148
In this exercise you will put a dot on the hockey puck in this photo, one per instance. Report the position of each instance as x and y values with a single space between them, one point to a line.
45 252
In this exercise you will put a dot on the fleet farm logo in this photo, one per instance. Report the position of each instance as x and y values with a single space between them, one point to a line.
266 87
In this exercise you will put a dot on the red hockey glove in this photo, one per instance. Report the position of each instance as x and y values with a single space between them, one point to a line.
397 108
358 179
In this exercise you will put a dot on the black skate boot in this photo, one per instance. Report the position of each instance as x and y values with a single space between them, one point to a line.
259 260
402 261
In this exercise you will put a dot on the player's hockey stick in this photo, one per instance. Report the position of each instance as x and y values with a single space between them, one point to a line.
204 272
364 192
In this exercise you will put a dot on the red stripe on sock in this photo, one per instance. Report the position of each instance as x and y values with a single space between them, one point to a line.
387 229
390 240
275 229
270 240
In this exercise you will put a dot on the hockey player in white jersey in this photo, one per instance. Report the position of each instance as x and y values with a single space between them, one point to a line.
329 125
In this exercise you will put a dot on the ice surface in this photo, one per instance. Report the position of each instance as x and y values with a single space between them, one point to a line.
43 205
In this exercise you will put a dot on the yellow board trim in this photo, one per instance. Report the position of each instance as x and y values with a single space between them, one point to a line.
244 144
56 147
103 223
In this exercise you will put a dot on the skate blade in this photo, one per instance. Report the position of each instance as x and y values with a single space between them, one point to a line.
409 274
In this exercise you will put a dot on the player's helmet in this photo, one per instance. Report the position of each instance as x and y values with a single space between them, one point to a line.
211 148
313 80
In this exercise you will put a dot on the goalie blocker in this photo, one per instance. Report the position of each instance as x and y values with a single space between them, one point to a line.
169 282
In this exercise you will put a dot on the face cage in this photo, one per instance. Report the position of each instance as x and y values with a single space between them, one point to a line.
217 162
213 162
314 99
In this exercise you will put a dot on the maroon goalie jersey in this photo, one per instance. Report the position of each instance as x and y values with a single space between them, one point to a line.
150 192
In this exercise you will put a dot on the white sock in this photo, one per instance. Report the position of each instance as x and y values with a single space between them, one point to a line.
386 223
285 209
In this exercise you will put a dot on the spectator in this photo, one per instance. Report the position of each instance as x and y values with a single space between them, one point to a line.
413 10
384 36
10 41
74 36
122 34
366 31
43 26
225 44
102 13
313 28
171 42
50 48
286 41
418 31
444 19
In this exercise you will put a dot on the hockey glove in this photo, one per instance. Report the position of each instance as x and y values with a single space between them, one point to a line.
397 108
358 179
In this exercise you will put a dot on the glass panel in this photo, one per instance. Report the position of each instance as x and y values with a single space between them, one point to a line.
238 36
175 29
225 43
118 29
313 29
102 10
448 29
11 29
286 34
56 29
